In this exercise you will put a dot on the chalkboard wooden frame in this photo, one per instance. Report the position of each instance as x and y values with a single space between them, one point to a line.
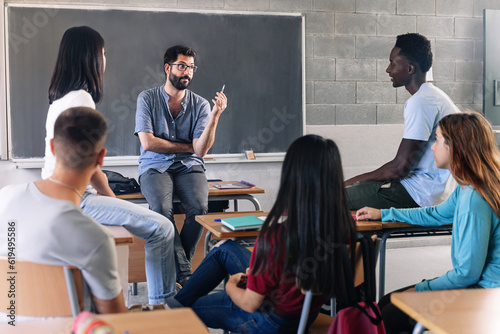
282 122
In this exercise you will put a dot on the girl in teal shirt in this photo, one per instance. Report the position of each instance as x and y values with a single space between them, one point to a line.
466 146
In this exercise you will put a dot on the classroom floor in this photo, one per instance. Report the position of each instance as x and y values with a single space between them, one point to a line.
408 262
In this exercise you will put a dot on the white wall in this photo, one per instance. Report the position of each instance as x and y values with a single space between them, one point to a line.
10 174
362 147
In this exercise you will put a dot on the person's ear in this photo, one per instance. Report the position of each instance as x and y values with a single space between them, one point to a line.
100 157
167 68
52 147
411 69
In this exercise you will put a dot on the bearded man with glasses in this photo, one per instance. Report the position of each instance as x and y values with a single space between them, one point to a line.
176 129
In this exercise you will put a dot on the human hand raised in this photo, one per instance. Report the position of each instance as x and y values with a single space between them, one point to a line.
220 103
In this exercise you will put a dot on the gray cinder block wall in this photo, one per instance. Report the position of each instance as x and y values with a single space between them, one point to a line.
349 97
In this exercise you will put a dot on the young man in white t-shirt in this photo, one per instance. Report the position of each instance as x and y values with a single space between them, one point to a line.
50 226
411 179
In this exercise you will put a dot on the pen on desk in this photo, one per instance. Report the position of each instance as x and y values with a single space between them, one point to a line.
217 220
222 90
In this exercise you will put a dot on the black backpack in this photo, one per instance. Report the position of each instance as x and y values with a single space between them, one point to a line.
121 185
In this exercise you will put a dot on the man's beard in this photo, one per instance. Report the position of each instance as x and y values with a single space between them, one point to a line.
176 81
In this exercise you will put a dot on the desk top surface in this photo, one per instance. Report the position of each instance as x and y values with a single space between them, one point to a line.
180 321
212 191
453 311
219 231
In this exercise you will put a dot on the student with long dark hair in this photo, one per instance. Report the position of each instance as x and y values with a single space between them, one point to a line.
466 146
296 250
77 81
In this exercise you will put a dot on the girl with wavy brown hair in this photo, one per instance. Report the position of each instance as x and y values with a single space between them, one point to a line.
465 145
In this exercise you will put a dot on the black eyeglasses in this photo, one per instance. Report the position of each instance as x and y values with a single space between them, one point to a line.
183 67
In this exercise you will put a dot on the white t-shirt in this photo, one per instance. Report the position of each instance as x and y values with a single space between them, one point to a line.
76 98
56 232
425 183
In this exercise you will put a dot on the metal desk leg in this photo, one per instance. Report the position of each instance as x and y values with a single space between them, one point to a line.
381 273
376 248
134 289
419 328
248 197
208 237
255 203
235 198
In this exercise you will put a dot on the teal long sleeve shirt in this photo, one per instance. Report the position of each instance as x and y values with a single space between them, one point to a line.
475 243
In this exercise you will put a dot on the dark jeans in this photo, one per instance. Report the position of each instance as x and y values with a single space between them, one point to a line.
395 320
190 185
217 310
379 195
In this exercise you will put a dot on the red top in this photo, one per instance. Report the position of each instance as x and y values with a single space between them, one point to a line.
284 295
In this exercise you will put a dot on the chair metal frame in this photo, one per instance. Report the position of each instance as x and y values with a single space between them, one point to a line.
368 257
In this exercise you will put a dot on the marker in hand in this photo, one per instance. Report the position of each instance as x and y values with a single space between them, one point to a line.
243 282
218 99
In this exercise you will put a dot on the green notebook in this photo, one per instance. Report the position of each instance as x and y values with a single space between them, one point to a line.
243 223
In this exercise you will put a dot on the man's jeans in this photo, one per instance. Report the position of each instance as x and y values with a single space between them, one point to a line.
148 225
190 185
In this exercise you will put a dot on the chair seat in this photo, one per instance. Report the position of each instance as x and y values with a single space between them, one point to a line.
321 324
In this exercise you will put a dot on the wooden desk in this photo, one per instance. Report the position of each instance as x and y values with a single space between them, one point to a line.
179 321
214 194
452 311
123 239
219 231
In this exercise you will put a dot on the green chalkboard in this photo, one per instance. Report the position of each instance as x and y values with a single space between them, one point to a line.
258 57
